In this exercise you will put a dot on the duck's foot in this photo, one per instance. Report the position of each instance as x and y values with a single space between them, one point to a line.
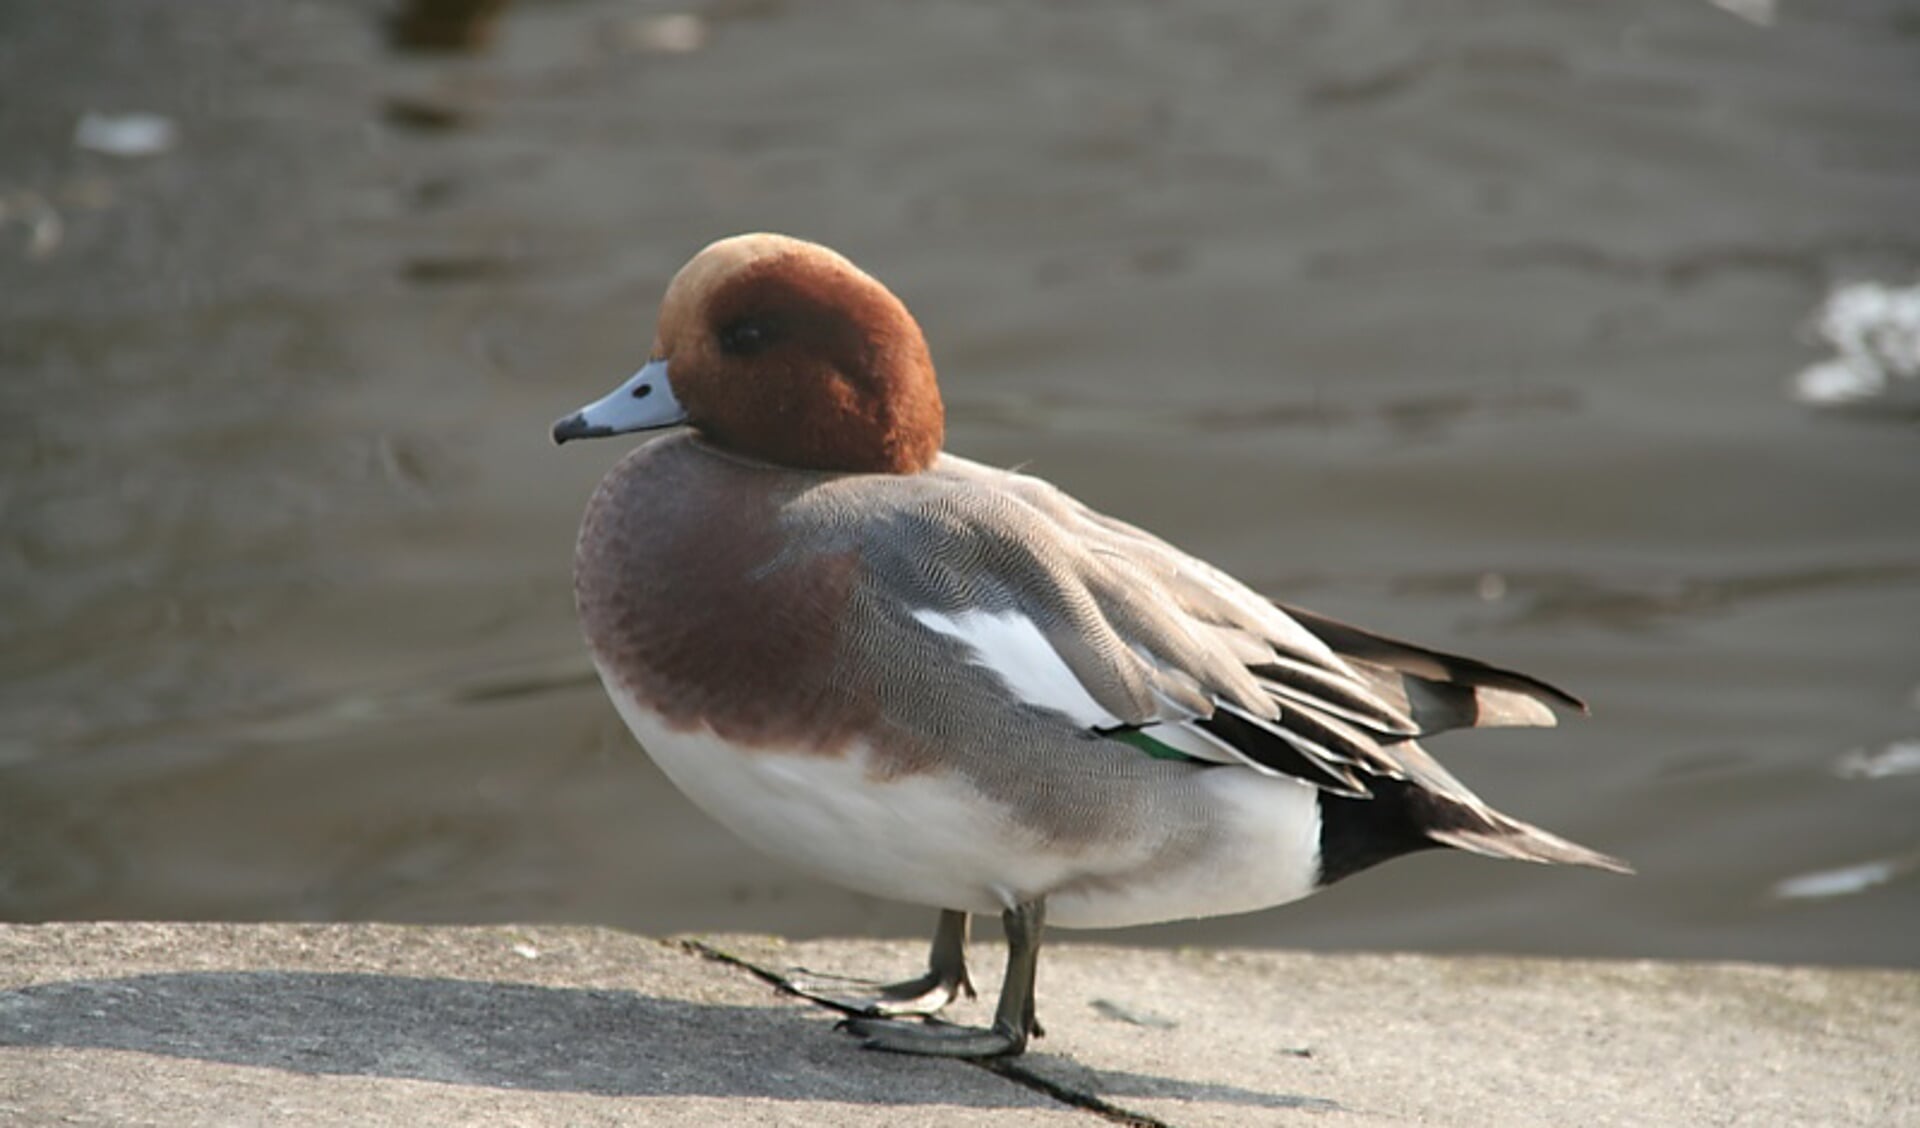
936 1039
925 995
946 980
1013 1021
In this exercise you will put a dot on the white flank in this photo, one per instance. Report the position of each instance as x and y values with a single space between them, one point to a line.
1032 670
1265 851
935 840
925 839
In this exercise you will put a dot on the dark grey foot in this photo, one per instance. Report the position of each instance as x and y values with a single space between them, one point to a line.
946 980
928 994
936 1039
1013 1021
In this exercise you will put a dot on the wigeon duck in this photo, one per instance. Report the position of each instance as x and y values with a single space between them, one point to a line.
947 684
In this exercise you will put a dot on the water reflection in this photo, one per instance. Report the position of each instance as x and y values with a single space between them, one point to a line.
1897 758
445 25
1874 331
1617 603
301 721
1425 415
1843 881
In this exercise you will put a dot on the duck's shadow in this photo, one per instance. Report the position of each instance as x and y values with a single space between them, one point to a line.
516 1036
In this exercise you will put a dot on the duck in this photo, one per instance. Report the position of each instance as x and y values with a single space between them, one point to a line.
943 683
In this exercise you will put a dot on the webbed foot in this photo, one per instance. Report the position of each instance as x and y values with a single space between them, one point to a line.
945 980
924 995
1013 1021
936 1039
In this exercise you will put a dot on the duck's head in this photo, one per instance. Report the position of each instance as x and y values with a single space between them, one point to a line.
783 351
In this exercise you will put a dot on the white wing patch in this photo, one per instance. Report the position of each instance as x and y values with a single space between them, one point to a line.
1025 662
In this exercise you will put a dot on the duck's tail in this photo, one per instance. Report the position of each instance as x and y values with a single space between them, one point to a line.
1495 835
1403 817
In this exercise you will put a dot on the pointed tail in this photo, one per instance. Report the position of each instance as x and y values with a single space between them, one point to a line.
1498 836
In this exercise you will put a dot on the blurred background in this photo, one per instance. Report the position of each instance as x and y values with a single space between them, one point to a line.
1574 336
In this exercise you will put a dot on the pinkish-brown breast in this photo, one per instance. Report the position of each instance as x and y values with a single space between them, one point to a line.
692 598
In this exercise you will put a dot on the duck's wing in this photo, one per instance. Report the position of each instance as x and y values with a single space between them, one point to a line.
1133 639
1438 690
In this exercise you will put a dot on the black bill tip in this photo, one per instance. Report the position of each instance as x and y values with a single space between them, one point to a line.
575 426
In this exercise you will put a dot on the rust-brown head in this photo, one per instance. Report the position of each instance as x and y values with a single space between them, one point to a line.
783 351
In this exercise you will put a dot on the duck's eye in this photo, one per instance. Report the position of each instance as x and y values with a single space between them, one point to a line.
746 336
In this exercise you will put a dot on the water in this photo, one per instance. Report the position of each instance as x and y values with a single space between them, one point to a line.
1471 323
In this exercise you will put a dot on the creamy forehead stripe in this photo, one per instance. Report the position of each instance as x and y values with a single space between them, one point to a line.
1013 648
695 282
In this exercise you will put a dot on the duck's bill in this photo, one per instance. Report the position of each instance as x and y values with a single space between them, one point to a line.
643 403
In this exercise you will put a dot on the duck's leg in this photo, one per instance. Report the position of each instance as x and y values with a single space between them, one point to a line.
945 980
1013 1020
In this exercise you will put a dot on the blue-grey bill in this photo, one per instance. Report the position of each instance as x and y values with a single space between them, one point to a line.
643 403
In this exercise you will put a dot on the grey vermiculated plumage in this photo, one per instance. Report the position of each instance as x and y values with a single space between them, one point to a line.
1154 636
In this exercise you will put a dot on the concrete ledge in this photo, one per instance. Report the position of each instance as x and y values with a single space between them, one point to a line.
373 1024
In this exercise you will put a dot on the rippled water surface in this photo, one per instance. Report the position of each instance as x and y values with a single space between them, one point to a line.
1472 322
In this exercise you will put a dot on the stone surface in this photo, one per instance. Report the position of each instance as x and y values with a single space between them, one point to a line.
374 1024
